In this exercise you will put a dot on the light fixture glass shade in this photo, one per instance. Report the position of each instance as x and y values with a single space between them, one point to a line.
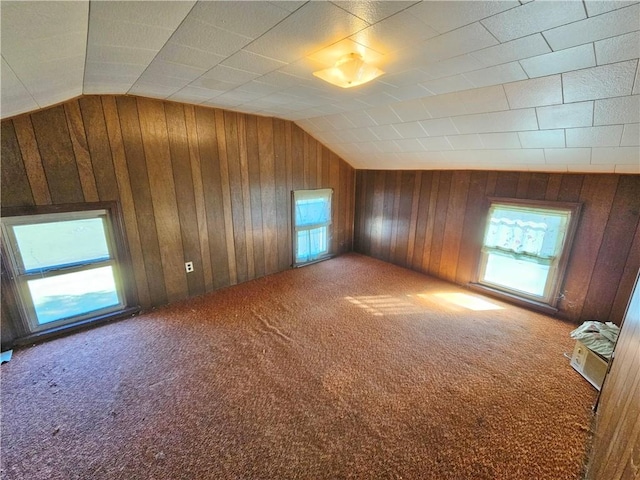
350 71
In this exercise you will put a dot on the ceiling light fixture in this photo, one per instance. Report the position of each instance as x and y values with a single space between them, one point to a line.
350 71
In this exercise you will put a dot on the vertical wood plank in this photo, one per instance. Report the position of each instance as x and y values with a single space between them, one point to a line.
553 187
253 161
212 186
56 151
283 195
386 183
473 227
614 249
431 215
413 222
246 194
442 206
185 199
15 188
343 208
597 196
538 186
32 161
235 191
226 195
570 188
288 137
507 184
626 281
297 160
523 185
394 219
198 193
81 150
99 148
139 271
454 224
268 193
423 212
153 127
403 226
141 192
334 183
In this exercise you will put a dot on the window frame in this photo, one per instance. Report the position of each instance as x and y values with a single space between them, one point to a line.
552 292
296 229
20 302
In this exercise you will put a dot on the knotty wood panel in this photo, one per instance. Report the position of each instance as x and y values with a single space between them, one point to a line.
194 184
616 445
446 224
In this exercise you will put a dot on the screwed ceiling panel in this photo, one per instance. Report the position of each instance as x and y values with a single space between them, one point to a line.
541 86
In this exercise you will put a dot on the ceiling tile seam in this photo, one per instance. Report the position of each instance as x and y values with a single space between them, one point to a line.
160 49
637 77
586 13
21 82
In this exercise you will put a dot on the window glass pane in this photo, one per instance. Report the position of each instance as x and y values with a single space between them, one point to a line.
312 212
73 294
530 232
311 244
526 276
46 245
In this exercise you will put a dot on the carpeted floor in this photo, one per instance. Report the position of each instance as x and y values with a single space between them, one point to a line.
350 368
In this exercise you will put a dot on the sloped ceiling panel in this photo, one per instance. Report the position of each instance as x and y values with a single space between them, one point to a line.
541 86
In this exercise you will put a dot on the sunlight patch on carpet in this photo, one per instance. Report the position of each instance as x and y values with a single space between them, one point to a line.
465 300
382 305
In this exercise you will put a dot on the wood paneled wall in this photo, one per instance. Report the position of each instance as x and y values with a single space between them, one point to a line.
433 222
195 184
616 443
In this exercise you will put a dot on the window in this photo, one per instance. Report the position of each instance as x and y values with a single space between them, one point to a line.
525 248
312 224
65 265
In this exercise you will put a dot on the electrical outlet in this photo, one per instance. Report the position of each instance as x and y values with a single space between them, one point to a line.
188 267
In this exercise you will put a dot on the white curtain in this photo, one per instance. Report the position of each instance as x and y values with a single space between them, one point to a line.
516 236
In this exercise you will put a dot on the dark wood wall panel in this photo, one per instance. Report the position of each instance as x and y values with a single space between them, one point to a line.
433 222
195 184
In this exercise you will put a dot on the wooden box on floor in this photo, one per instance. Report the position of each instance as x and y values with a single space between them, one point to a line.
589 364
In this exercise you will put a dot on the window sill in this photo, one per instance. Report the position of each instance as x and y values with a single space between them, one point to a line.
508 297
74 327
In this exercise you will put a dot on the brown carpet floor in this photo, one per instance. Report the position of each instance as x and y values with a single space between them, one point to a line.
350 368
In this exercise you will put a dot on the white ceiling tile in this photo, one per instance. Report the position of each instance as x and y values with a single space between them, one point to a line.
465 142
435 144
202 36
594 136
112 54
618 156
446 16
15 97
252 62
248 18
105 31
478 100
566 116
505 73
441 86
532 18
98 69
177 70
409 145
340 122
548 168
395 33
631 168
410 130
383 115
373 12
560 62
534 93
542 139
438 127
310 28
636 82
500 140
567 156
155 13
518 49
618 49
413 92
490 159
458 42
176 53
612 80
450 67
360 119
511 121
230 75
385 132
597 7
590 168
611 111
602 26
631 135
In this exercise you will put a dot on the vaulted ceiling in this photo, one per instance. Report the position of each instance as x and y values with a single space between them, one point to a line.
540 86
